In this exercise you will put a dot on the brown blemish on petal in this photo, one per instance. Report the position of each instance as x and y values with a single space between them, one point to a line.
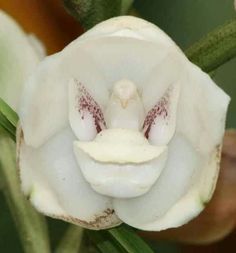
19 141
217 159
102 221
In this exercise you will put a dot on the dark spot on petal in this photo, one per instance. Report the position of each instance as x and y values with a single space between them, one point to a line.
160 109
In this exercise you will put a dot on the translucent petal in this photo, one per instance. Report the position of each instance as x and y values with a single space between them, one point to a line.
175 180
202 110
128 58
55 185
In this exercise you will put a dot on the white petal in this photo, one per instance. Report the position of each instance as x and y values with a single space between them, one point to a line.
128 58
85 114
203 123
44 108
55 185
86 60
120 163
202 110
131 27
182 194
160 122
46 90
17 60
193 202
175 180
38 46
160 96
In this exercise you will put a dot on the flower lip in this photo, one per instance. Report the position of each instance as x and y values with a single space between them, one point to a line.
120 163
120 146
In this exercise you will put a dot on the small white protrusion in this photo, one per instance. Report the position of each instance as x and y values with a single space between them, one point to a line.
125 108
125 90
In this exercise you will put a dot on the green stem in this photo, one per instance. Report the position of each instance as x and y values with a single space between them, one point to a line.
71 242
92 12
125 6
30 224
215 49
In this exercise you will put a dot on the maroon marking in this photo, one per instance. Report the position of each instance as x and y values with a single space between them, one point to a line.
160 109
85 102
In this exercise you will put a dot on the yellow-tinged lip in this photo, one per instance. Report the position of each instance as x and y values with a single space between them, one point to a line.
120 151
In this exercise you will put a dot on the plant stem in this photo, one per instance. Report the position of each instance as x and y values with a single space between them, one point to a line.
215 49
125 6
92 12
71 242
29 223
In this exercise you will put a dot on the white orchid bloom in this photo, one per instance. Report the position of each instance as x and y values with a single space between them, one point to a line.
121 127
19 55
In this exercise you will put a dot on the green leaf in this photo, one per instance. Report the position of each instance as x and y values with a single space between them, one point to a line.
92 12
104 242
7 127
8 119
130 241
122 239
10 114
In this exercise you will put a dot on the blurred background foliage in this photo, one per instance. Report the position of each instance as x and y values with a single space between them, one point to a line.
185 21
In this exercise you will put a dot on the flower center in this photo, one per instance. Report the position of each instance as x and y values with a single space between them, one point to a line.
125 108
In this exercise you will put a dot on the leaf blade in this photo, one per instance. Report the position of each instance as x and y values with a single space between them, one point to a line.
8 119
129 240
104 243
8 112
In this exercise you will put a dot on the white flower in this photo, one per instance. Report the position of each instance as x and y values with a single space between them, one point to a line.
18 58
121 127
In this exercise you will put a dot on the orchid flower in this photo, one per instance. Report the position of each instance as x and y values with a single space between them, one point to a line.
121 127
